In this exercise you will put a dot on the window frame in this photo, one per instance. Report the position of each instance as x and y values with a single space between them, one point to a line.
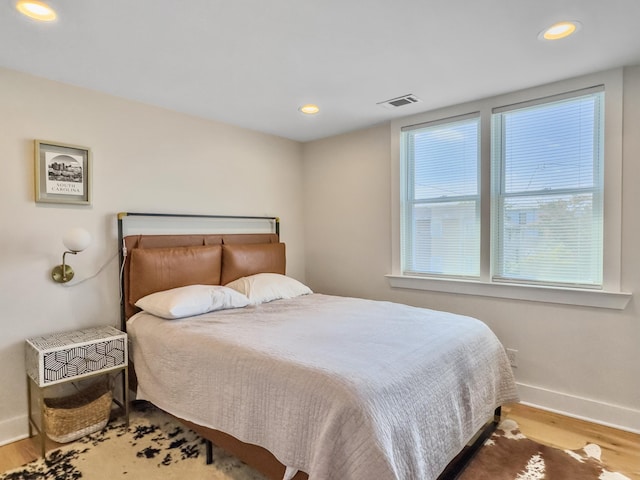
610 296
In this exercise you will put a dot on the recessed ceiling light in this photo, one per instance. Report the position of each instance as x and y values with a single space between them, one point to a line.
309 109
560 30
36 10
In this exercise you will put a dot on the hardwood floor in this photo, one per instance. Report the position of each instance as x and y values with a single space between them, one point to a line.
620 450
16 454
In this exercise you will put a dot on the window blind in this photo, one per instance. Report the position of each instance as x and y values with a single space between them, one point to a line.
441 198
547 200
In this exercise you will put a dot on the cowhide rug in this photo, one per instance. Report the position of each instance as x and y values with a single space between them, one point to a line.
157 447
154 447
509 455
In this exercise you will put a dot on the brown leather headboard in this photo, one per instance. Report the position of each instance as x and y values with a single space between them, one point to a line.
240 260
159 262
156 269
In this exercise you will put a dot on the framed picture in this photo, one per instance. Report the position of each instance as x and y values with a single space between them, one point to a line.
62 173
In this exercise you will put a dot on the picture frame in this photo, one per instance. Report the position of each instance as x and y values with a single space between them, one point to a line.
62 173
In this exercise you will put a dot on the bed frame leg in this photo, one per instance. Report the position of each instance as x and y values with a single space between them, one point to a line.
457 466
209 449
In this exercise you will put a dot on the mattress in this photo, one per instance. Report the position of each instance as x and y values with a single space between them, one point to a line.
341 388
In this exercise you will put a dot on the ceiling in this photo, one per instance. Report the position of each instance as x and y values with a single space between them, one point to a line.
252 63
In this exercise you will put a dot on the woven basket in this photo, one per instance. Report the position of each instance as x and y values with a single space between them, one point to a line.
74 416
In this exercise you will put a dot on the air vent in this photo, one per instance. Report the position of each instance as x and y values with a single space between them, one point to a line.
399 101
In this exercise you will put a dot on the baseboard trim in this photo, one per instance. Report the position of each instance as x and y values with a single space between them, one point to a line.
602 413
13 429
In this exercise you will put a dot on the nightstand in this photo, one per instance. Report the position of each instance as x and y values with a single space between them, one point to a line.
69 356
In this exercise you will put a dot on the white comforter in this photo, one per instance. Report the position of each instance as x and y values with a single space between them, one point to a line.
341 388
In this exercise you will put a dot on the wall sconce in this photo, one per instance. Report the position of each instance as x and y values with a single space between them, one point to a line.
76 240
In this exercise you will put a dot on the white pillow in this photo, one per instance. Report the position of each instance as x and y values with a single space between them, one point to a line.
191 300
266 287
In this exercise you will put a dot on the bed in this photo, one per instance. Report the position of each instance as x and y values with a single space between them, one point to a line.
304 385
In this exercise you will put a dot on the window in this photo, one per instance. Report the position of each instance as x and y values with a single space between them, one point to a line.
441 207
520 199
546 176
547 200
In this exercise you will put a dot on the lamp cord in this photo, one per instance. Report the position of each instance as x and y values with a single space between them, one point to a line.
67 285
124 260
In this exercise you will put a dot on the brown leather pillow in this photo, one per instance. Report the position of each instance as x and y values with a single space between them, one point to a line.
157 269
243 260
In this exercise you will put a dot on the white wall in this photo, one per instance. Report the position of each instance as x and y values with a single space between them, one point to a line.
145 159
580 360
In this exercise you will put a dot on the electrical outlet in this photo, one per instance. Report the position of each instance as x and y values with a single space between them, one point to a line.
513 357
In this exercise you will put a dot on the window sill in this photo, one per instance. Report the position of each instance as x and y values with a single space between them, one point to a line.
566 296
